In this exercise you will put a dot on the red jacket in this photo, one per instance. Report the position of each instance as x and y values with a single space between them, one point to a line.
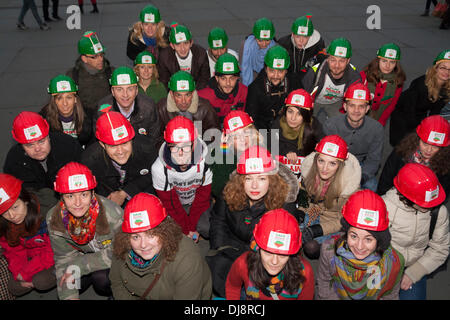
31 256
238 277
222 102
378 99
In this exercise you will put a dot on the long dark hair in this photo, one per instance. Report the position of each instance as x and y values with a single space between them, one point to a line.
292 271
32 217
51 114
373 72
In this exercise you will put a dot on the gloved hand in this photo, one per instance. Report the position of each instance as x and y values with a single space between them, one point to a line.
311 232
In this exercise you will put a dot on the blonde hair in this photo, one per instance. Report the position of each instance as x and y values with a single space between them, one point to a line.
155 74
433 87
137 34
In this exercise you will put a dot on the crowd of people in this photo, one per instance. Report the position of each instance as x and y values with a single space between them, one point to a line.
204 173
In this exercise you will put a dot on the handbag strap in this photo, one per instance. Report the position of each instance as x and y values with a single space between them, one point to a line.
150 287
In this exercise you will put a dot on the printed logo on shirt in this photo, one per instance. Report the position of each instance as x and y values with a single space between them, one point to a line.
368 217
302 30
254 165
436 137
3 196
359 94
180 37
235 123
119 133
98 47
278 63
181 135
228 66
340 52
123 79
32 132
77 181
182 85
330 149
149 17
298 99
279 241
139 219
217 43
264 34
391 53
63 86
147 59
431 195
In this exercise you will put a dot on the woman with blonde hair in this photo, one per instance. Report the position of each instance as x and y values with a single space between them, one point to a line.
149 33
148 77
259 184
427 95
329 176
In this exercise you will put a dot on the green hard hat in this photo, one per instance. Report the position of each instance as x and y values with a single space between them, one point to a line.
263 29
181 81
340 47
150 14
61 84
444 55
217 38
90 44
303 26
389 51
277 57
145 57
179 33
123 76
227 64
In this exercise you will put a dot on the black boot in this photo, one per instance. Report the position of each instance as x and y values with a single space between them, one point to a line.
426 13
95 10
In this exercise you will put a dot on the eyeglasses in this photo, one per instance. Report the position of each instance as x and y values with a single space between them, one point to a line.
98 55
176 149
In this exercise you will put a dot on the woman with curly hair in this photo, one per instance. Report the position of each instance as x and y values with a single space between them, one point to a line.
429 146
149 33
152 259
24 239
348 264
65 113
427 95
384 77
273 269
259 184
329 176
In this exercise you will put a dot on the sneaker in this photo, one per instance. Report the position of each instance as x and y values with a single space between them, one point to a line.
22 26
44 27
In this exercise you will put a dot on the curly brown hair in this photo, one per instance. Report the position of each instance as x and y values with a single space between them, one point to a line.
236 198
438 163
372 71
168 232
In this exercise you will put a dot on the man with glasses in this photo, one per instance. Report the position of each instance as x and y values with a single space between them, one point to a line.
91 71
181 177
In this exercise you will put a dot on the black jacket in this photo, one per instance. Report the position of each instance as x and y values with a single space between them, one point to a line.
412 107
138 176
134 49
64 149
264 101
144 118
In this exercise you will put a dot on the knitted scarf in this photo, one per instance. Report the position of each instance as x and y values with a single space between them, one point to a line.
81 230
353 278
377 110
417 157
292 134
138 262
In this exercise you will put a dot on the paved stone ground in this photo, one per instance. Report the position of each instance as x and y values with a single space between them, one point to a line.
31 58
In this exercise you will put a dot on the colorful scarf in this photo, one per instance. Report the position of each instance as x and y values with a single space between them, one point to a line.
292 134
418 158
138 262
81 230
354 279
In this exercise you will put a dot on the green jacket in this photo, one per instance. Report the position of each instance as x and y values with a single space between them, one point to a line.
156 91
94 256
187 277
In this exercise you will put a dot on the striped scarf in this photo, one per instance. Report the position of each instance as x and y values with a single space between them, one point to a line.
357 279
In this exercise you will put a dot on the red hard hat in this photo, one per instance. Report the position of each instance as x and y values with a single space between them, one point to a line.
366 210
357 91
236 120
299 98
143 212
74 177
256 160
278 232
333 146
10 188
180 129
419 184
113 128
434 130
29 127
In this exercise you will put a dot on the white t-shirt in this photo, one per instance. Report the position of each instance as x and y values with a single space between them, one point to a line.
212 63
185 64
330 93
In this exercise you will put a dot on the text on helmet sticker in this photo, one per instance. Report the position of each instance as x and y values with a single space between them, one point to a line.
123 79
217 43
330 149
149 17
3 196
431 195
77 182
368 217
228 66
119 133
390 53
264 34
436 137
359 94
279 241
447 55
182 85
298 99
278 63
147 59
340 52
235 123
32 132
181 135
98 47
139 219
302 30
63 86
254 165
180 37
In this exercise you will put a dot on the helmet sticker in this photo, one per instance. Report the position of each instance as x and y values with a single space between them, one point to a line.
123 79
302 30
139 219
254 165
98 47
228 66
180 37
119 133
330 149
436 137
63 86
279 241
340 52
149 17
298 99
368 217
77 181
431 195
278 63
32 132
390 53
3 196
447 55
235 123
182 85
217 43
147 59
264 34
181 135
359 94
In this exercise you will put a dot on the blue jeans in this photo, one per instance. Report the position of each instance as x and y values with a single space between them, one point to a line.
418 291
29 4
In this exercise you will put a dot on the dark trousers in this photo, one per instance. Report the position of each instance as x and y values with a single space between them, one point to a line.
99 280
428 4
45 5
